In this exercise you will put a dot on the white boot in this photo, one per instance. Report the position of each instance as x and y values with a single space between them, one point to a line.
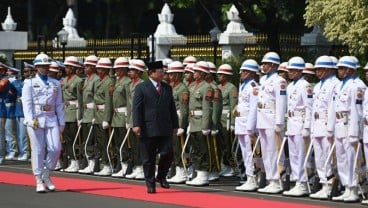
250 185
353 196
342 196
214 176
73 167
132 174
180 176
324 193
200 180
122 171
300 189
47 180
227 171
272 188
40 188
90 167
140 173
106 171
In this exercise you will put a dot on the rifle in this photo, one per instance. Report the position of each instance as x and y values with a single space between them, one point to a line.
122 144
307 169
108 145
281 164
334 176
75 141
87 140
183 154
359 169
214 138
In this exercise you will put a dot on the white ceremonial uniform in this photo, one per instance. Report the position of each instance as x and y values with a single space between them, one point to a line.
361 85
43 101
245 121
347 99
271 110
365 126
321 114
299 111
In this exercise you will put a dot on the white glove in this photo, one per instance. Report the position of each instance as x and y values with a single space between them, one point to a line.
206 132
353 139
180 132
79 122
93 120
330 134
232 128
214 132
127 126
279 127
30 124
305 132
61 129
105 124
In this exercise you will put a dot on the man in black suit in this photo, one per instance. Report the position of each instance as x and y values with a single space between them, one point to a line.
154 122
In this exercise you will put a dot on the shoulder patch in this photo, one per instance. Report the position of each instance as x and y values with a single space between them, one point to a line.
235 93
185 98
359 96
283 88
216 95
209 94
309 91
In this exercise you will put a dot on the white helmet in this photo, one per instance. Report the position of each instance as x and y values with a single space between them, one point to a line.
54 67
166 62
250 65
366 66
347 61
137 64
41 59
334 61
296 62
189 68
201 66
175 66
283 67
356 61
309 69
271 57
72 61
104 63
121 62
324 62
91 60
189 60
211 67
225 69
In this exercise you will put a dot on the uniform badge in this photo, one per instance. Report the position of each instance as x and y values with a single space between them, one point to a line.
309 92
255 91
185 98
359 96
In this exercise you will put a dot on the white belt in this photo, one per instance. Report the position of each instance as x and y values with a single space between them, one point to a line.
225 111
121 110
262 105
296 113
100 107
9 104
196 113
72 102
44 107
320 115
242 114
90 105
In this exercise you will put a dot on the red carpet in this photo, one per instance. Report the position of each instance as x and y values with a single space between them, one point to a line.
138 192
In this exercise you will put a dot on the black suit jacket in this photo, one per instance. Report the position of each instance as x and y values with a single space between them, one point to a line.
155 113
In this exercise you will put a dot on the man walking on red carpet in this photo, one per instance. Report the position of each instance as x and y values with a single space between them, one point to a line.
154 122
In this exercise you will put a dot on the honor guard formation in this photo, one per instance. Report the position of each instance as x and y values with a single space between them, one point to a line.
278 131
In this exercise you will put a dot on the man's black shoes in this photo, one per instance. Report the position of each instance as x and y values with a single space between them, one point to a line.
163 182
151 190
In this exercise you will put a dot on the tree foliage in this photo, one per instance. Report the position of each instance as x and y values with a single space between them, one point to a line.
344 21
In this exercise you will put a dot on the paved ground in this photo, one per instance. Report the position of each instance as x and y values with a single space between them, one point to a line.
13 196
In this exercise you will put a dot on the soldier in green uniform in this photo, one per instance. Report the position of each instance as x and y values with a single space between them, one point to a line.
215 145
181 98
200 110
103 105
136 69
230 99
119 103
72 95
188 75
88 113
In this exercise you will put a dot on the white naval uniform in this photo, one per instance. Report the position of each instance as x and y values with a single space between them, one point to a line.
299 111
346 131
35 96
365 127
321 113
271 110
245 121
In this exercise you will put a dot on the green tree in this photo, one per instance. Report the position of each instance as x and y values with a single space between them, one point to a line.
344 21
